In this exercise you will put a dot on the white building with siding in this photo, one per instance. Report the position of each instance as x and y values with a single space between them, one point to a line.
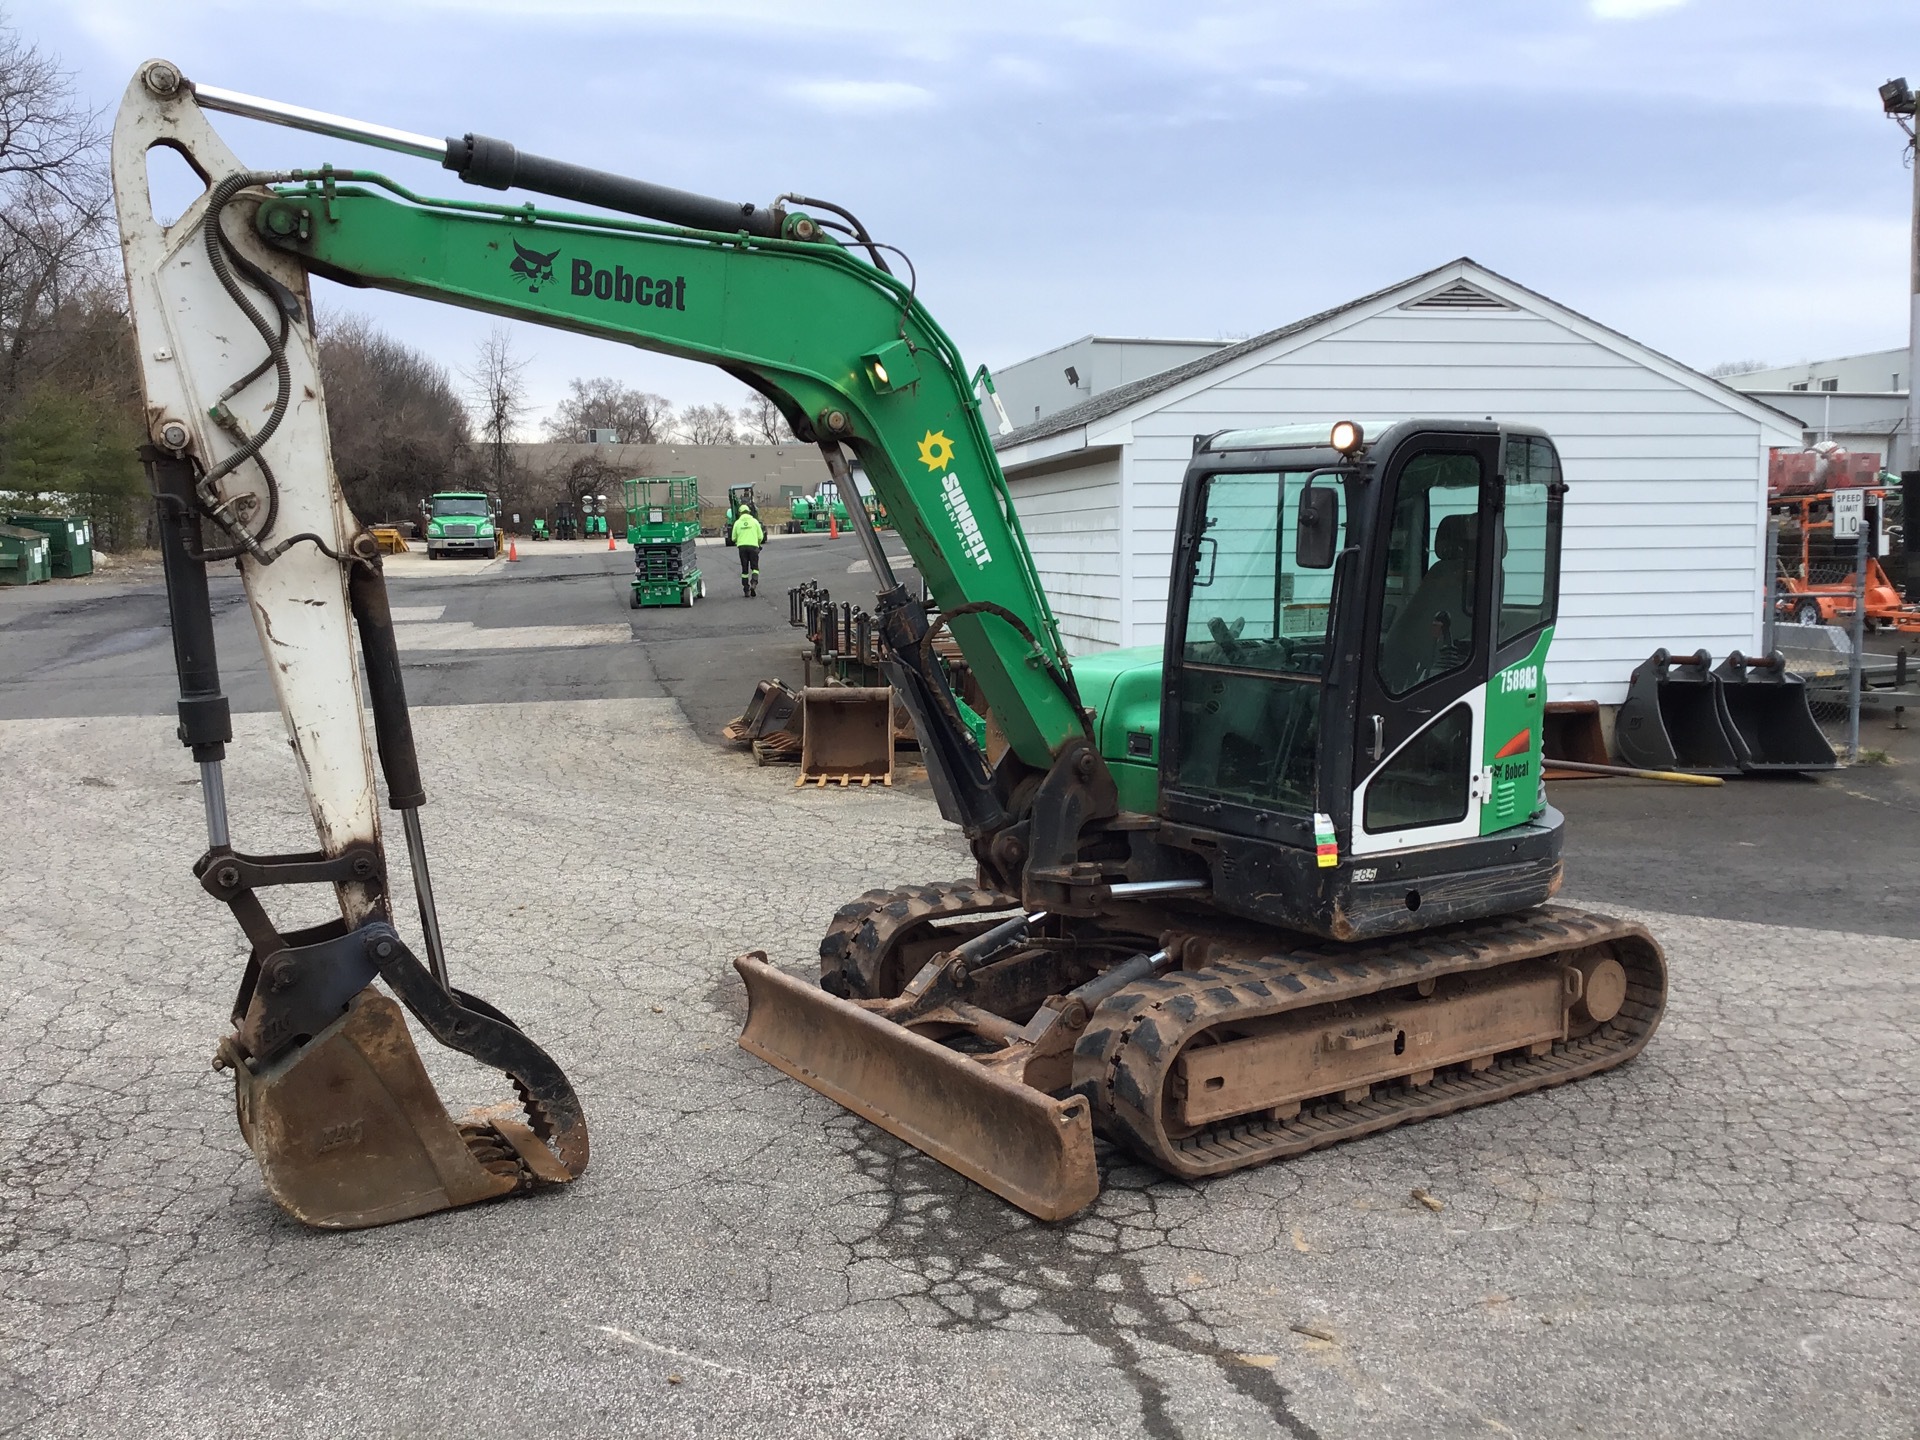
1666 510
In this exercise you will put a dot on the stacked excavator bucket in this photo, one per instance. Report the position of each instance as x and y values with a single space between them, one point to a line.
770 725
841 734
1740 717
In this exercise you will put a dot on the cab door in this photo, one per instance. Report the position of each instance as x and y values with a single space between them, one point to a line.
1420 718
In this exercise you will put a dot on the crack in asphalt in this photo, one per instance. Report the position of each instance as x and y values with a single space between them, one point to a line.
986 1266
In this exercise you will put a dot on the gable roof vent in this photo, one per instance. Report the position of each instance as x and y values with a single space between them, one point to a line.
1458 296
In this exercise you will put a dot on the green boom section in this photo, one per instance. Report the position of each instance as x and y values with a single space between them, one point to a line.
850 349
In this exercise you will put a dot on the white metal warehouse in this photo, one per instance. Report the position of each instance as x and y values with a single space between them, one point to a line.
1666 510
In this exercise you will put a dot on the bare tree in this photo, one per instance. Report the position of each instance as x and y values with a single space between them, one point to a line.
497 390
709 425
1737 367
47 137
54 207
398 428
634 416
70 412
762 423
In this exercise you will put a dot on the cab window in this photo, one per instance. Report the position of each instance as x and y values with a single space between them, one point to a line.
1530 526
1433 548
1254 645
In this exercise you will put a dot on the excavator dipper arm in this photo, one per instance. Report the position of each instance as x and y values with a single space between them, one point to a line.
332 1095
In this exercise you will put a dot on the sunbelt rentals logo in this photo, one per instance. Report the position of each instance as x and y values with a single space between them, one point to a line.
936 453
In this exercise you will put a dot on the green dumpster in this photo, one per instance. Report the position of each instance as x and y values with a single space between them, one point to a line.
71 537
24 556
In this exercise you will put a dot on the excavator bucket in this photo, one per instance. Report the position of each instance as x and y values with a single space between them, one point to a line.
774 709
349 1131
1673 718
848 735
1766 712
1020 1143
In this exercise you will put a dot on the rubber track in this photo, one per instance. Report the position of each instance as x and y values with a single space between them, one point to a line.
1126 1055
865 930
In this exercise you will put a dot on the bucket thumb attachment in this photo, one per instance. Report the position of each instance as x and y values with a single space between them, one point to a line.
1019 1142
348 1129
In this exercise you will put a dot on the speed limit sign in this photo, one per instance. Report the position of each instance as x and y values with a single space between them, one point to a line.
1849 509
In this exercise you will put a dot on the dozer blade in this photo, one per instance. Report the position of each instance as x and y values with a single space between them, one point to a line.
1018 1142
349 1131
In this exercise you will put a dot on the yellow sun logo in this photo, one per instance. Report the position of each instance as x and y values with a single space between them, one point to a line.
936 451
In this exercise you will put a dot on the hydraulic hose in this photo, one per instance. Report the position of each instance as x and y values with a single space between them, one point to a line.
223 258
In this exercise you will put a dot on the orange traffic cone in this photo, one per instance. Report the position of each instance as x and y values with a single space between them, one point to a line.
833 526
513 548
610 539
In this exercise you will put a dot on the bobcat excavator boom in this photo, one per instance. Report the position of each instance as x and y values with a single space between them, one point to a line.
1170 934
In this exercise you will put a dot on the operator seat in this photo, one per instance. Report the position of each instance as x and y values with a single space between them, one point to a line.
1417 645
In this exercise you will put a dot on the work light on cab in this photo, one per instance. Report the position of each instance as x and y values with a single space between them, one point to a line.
1347 436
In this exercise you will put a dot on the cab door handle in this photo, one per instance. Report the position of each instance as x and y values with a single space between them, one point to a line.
1379 745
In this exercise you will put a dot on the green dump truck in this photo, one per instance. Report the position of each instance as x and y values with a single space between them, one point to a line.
462 522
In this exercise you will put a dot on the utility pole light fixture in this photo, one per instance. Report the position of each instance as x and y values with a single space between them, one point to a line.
1897 100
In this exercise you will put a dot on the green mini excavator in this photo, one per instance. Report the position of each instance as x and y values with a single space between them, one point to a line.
1281 882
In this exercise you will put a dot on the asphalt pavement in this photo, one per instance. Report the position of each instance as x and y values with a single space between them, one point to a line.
1719 1238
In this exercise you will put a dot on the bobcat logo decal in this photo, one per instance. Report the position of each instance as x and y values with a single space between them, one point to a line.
533 267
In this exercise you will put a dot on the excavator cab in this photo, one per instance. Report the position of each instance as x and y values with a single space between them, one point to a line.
1360 728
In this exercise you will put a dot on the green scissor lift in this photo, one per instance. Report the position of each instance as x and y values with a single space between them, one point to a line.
663 521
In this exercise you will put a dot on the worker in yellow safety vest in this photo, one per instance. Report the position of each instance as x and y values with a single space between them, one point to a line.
748 536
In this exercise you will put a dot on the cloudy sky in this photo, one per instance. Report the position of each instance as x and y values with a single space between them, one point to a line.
1713 177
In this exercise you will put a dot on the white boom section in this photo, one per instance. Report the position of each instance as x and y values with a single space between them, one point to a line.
194 343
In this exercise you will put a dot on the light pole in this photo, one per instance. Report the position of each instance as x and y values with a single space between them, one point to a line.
1898 102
